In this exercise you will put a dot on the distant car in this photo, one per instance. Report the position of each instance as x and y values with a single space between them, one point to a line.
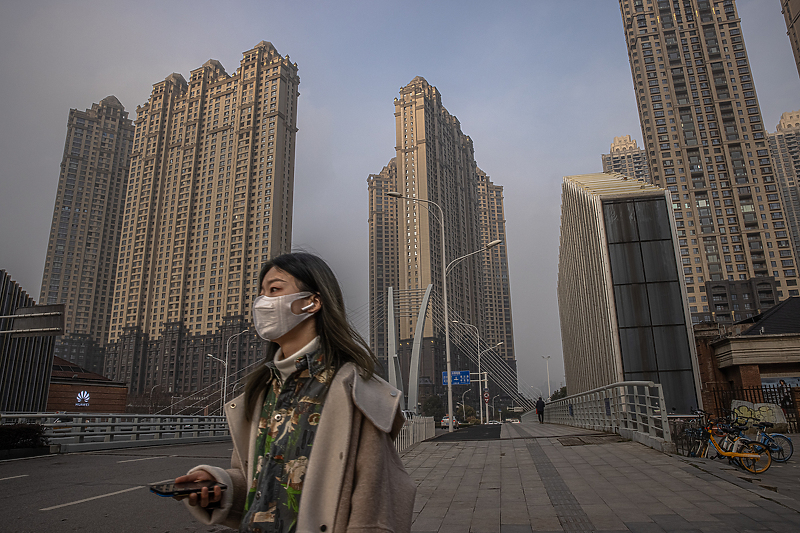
513 420
493 422
446 422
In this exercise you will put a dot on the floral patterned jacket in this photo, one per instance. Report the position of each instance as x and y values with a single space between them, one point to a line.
286 430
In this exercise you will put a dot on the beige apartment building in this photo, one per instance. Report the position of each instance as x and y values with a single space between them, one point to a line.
706 143
434 160
627 159
791 13
496 282
785 150
81 260
209 200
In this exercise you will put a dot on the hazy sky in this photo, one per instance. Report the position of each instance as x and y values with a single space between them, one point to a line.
540 86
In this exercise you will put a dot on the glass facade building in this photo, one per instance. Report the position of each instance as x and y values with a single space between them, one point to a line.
621 296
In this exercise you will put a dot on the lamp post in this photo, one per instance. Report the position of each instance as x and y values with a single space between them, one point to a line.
151 396
480 376
225 366
395 194
487 374
494 413
227 360
547 361
463 406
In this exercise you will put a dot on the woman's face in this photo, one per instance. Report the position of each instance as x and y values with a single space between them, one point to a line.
280 283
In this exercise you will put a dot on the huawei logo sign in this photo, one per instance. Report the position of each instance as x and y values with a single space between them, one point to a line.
83 398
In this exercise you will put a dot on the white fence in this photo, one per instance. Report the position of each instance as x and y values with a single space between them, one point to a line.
73 432
416 430
633 409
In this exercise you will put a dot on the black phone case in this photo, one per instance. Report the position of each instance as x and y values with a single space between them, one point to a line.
157 488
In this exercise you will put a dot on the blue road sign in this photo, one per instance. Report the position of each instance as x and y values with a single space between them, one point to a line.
460 377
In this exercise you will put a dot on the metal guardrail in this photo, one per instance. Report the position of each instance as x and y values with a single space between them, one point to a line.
416 430
632 409
78 432
72 432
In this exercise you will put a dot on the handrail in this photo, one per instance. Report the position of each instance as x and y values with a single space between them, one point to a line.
416 430
633 409
96 431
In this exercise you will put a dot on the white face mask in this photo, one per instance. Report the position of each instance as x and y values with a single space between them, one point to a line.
273 316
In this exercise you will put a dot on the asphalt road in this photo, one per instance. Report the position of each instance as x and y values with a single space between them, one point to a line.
479 432
102 491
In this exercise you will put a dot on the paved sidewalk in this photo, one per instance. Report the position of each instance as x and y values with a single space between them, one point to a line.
542 477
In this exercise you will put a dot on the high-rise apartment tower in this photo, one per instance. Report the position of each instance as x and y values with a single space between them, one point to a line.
209 200
499 329
706 143
434 160
81 260
627 159
791 12
785 150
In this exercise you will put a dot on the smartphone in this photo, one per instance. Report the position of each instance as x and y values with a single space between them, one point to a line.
182 489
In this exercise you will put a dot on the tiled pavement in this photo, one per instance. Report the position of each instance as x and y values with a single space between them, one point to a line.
529 481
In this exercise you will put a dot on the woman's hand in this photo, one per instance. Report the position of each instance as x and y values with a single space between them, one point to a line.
204 497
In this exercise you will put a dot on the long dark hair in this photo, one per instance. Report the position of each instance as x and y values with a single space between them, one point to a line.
340 343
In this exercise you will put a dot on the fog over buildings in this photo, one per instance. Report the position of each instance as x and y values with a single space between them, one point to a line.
560 90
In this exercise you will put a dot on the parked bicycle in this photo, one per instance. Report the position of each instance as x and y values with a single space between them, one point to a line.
752 456
780 446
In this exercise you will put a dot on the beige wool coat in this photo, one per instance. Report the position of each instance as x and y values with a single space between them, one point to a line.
355 481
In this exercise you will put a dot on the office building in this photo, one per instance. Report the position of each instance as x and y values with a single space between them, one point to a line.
705 141
209 200
620 290
784 147
627 159
26 360
434 160
791 13
81 260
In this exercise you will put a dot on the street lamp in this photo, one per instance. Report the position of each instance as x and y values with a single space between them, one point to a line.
225 366
227 360
547 361
480 376
487 374
463 406
494 413
396 194
151 396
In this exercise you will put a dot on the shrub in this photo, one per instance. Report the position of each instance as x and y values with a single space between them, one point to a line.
21 436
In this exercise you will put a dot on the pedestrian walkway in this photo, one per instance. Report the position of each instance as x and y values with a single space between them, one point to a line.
543 477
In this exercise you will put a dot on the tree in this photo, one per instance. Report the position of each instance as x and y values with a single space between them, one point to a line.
432 406
560 393
460 412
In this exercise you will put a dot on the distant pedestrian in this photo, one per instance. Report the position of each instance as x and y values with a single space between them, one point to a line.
540 409
785 396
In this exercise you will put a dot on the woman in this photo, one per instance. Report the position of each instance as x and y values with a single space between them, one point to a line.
313 432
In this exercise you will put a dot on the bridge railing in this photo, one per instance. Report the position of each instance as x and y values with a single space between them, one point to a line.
82 432
633 409
416 430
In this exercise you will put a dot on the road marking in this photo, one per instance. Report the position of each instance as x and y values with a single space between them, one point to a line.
143 459
92 498
13 477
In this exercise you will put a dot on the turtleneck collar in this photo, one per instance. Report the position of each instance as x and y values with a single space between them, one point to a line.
288 365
